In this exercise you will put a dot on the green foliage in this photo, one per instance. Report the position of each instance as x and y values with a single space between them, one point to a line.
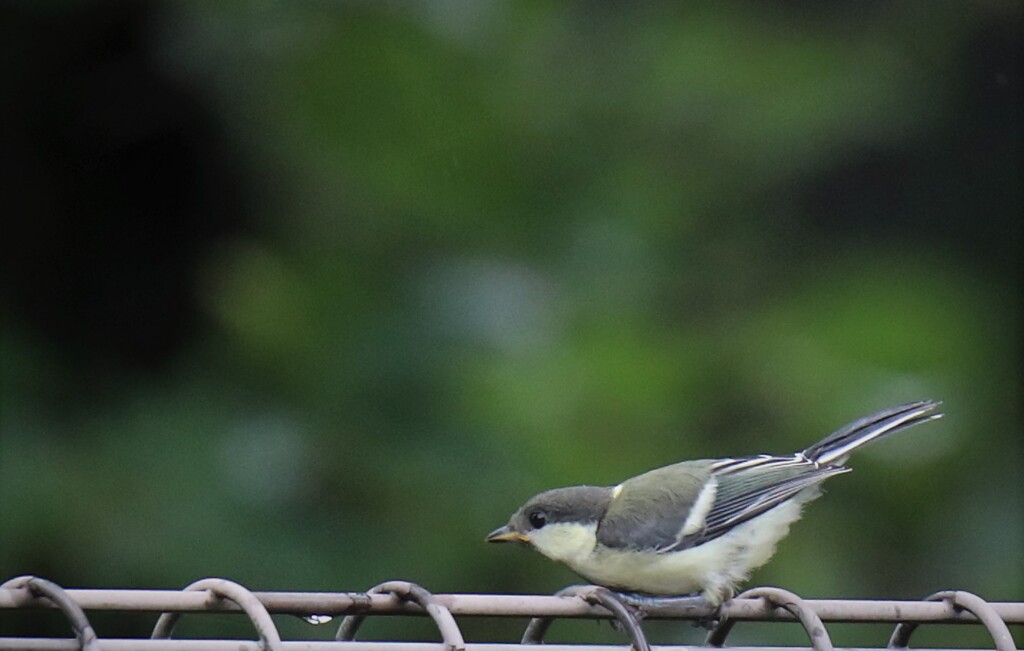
514 245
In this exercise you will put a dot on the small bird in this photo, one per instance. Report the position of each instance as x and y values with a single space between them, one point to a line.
696 526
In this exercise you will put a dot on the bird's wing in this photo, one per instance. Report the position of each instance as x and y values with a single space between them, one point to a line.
687 504
648 512
741 489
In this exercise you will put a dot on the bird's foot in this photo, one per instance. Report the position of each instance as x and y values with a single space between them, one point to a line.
712 620
645 604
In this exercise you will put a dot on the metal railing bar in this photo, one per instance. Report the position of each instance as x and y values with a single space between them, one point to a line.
85 636
964 601
625 618
118 644
446 624
476 605
224 590
785 601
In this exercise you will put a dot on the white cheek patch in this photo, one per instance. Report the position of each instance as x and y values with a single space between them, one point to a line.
569 543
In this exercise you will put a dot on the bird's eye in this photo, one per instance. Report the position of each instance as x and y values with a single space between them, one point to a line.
538 519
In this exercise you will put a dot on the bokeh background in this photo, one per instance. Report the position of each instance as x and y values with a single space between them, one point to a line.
311 295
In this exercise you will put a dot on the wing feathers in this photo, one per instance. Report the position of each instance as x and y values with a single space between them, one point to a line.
696 519
690 503
746 488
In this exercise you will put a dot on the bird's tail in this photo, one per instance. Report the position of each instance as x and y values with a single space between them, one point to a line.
837 446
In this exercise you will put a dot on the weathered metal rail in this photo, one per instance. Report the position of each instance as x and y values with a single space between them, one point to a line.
397 598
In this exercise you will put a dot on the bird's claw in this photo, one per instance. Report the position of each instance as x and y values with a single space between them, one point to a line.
712 620
643 605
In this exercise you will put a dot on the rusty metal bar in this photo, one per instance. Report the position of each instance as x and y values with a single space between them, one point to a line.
627 620
475 605
787 601
403 597
223 589
41 644
406 591
964 601
85 636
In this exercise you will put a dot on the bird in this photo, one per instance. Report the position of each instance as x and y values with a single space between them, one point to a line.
696 528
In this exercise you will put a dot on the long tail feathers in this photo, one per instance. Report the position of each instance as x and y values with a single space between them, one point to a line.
837 446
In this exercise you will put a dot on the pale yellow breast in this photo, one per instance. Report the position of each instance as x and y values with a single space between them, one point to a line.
714 567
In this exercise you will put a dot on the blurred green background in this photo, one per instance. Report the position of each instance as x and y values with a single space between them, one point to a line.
312 295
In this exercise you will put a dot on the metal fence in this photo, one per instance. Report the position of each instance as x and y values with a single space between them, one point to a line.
409 599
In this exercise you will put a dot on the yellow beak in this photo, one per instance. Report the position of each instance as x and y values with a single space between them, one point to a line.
504 534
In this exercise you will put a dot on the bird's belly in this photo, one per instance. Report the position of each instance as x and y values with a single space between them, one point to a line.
714 567
664 574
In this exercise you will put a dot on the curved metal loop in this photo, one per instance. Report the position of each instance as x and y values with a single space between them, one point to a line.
446 625
538 626
790 602
595 595
270 639
41 588
960 600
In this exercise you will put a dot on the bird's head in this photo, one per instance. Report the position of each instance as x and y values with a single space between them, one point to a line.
560 523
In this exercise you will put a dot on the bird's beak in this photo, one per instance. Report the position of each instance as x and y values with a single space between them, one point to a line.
504 534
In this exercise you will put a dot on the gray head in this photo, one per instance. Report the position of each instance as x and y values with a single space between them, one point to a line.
552 511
